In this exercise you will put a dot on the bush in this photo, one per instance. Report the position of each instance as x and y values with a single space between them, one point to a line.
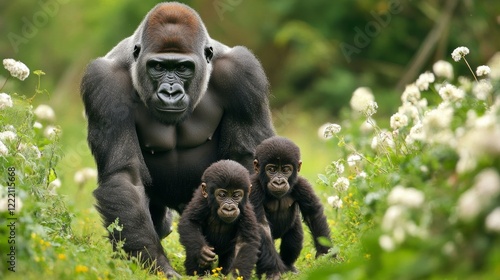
420 199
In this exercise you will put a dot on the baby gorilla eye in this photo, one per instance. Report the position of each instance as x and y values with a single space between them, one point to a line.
287 169
271 169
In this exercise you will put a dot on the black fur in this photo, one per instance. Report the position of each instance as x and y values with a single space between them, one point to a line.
237 243
283 214
150 155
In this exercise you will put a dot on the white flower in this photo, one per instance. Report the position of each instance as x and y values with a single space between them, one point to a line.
30 149
492 222
382 140
330 129
443 69
424 80
398 120
37 125
5 100
371 109
84 175
368 126
436 125
3 149
55 184
362 99
353 159
494 64
410 110
8 135
45 113
469 205
483 70
451 93
416 133
339 167
386 243
411 94
335 201
409 197
362 174
487 183
16 68
342 184
51 132
459 52
482 89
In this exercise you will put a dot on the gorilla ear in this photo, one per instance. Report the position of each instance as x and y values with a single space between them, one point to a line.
137 50
209 53
299 166
204 190
256 166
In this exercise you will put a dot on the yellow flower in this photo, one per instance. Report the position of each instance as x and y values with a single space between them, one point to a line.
239 278
308 256
61 256
219 269
81 268
33 235
215 275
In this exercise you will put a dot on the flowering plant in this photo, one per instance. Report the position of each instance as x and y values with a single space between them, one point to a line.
423 198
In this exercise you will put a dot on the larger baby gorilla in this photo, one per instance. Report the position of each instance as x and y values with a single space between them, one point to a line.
162 106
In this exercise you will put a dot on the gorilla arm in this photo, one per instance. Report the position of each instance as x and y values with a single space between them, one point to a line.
198 253
107 93
239 77
312 212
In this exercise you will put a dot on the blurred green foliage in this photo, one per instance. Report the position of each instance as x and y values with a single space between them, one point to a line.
298 42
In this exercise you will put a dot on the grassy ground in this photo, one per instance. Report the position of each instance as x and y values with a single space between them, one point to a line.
88 255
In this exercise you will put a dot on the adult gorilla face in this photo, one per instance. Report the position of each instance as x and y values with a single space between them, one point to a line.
172 63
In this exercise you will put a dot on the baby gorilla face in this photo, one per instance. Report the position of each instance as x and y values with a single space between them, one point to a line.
278 175
228 200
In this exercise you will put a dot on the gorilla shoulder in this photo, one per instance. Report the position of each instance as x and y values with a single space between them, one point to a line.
238 67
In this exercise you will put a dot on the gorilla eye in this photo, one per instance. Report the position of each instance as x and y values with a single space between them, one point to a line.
287 169
271 169
158 67
221 194
237 195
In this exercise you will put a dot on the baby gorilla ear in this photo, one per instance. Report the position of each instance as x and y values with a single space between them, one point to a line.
256 166
204 190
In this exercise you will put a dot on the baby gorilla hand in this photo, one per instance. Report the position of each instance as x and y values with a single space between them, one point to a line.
207 255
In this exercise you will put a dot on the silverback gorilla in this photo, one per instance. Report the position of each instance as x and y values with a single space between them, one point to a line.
161 106
220 220
279 196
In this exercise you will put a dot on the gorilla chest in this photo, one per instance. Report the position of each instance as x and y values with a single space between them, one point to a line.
197 129
281 213
177 155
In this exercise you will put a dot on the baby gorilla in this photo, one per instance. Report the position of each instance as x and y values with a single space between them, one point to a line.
279 195
219 220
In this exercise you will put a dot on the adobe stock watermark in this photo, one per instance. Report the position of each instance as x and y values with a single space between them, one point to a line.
223 6
31 25
363 37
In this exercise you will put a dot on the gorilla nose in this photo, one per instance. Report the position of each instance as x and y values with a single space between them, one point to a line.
171 89
170 93
281 182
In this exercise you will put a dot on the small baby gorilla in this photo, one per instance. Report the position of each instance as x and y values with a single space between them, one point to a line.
279 195
219 220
